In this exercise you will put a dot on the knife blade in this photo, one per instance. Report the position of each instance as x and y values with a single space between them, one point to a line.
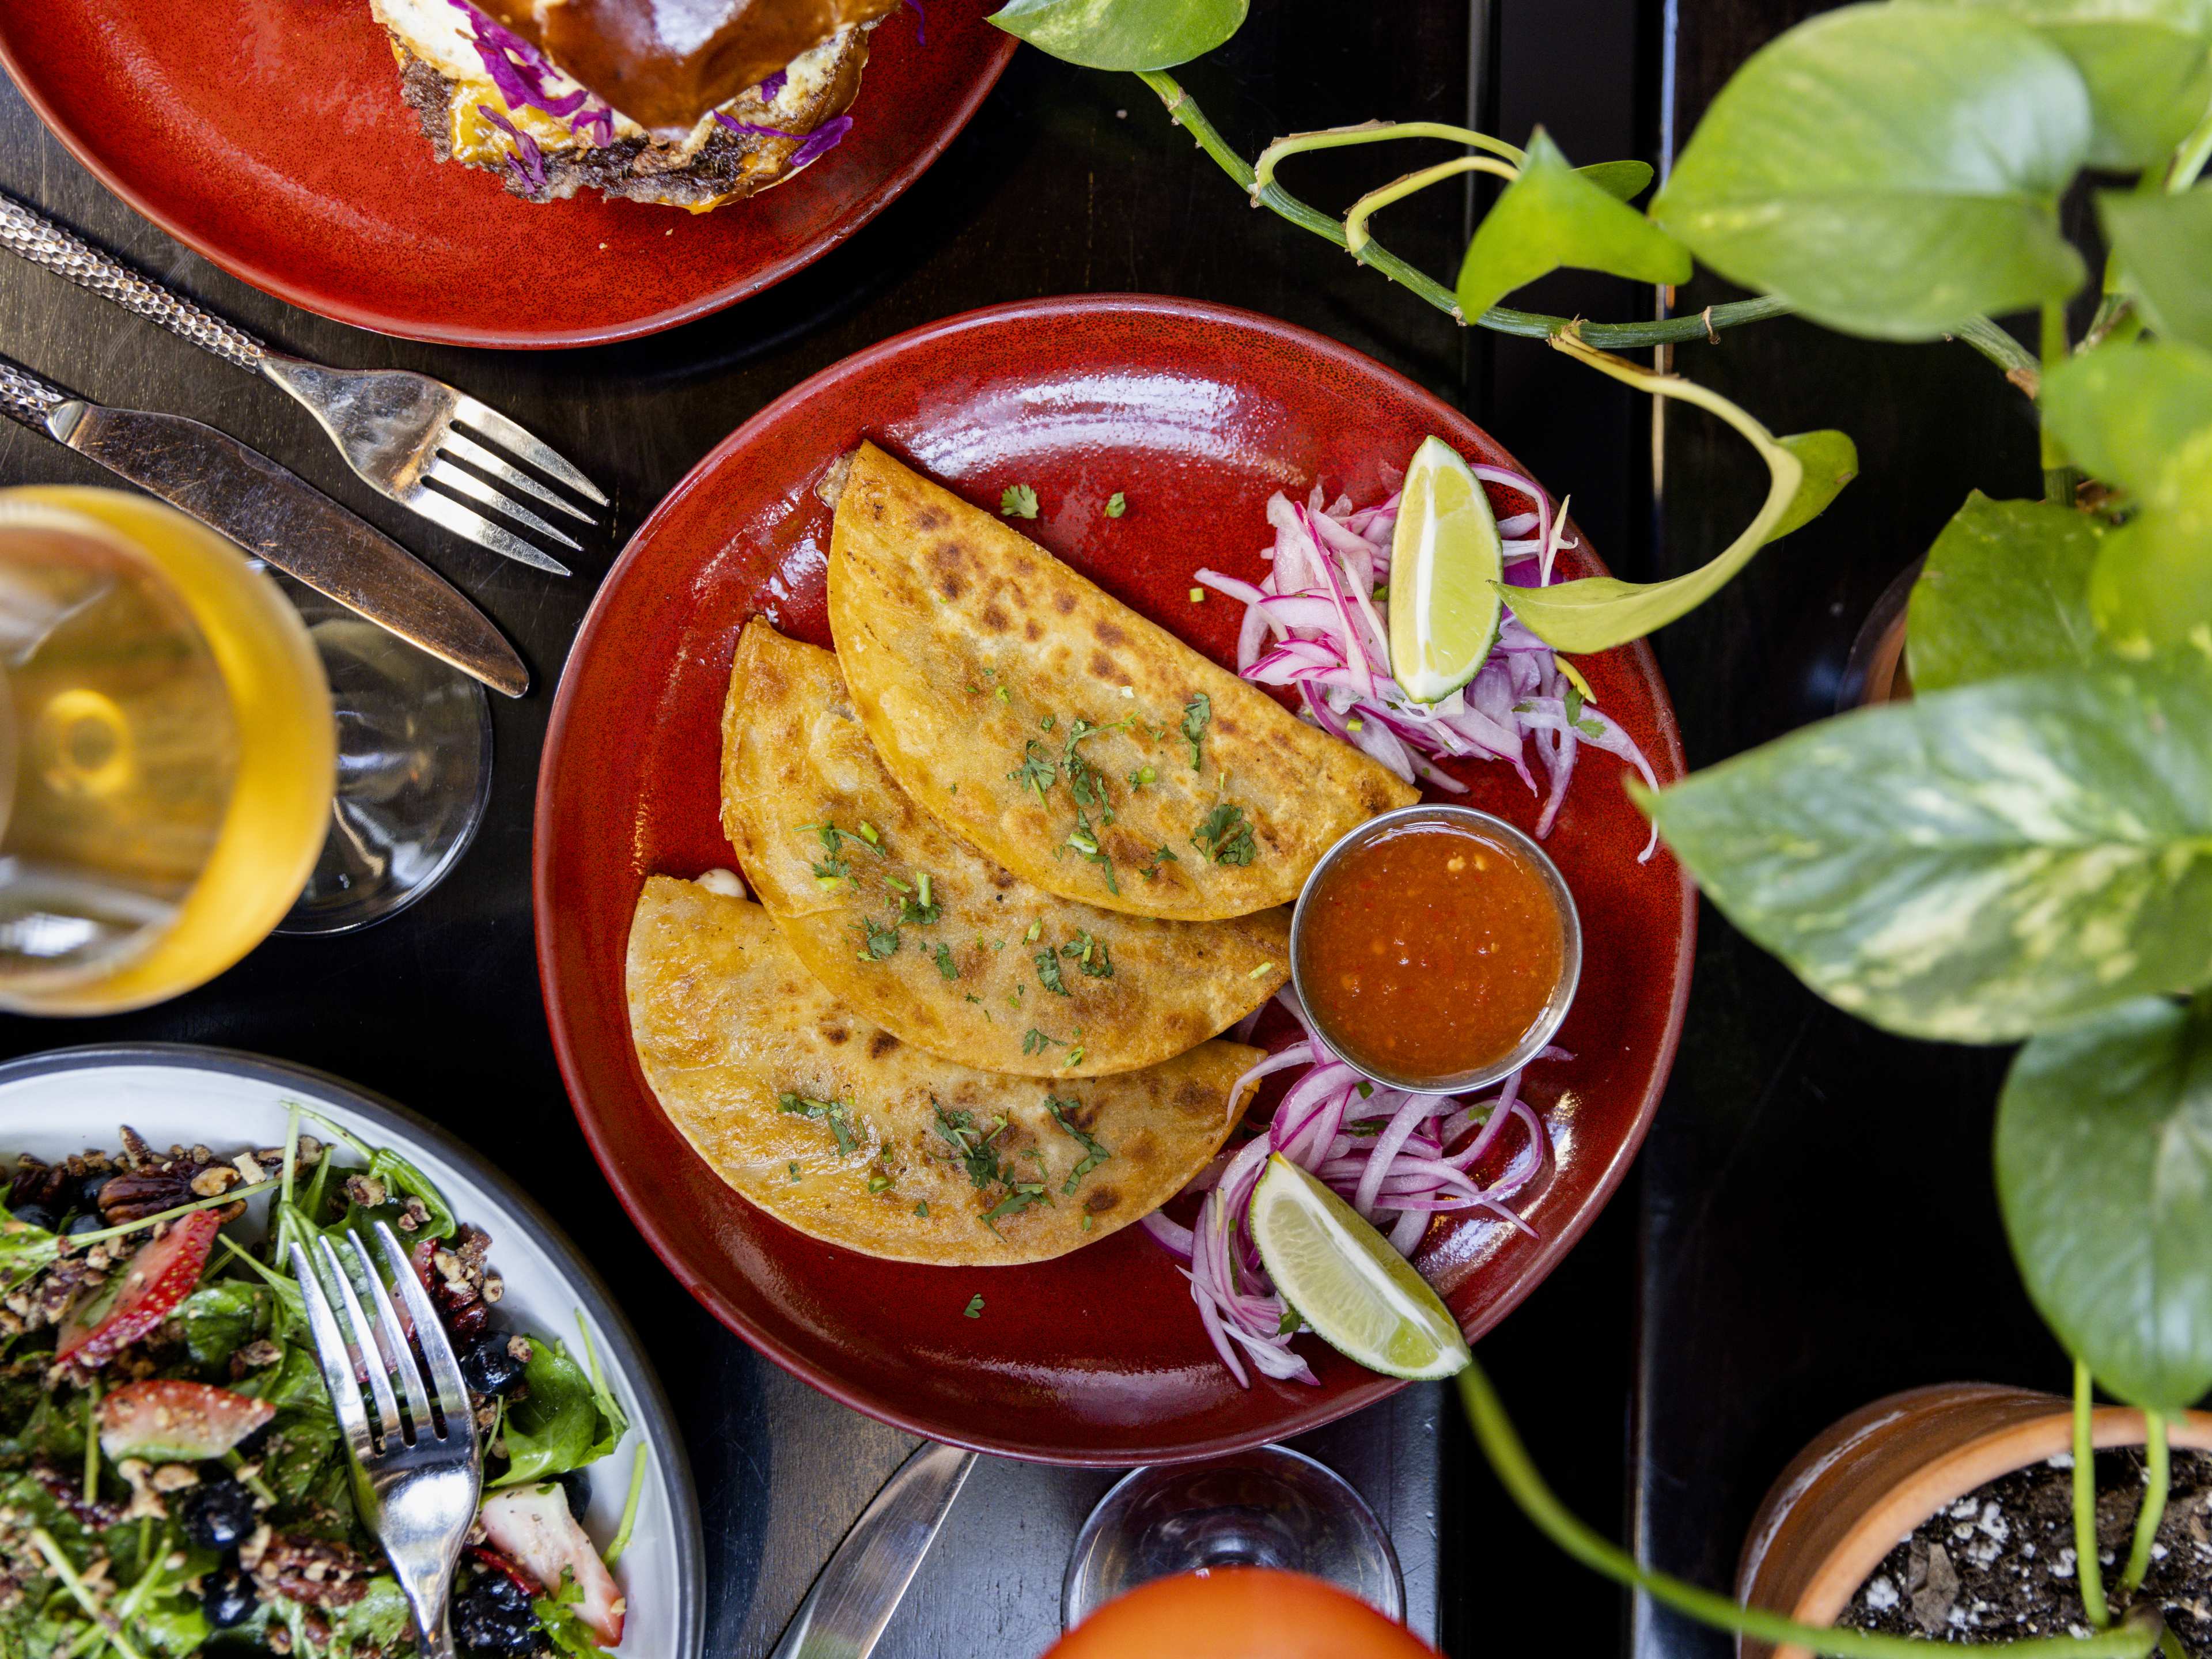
277 517
855 1595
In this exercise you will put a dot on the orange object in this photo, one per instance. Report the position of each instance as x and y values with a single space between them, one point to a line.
1429 950
1239 1612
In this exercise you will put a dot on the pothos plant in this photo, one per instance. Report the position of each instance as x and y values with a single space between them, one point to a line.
2024 850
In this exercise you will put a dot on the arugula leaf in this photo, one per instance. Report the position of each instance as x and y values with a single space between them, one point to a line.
1018 502
560 1424
1225 837
220 1318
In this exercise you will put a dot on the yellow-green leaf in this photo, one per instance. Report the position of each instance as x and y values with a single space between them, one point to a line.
1553 215
1123 34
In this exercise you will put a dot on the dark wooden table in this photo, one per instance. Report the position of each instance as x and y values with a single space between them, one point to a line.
1800 1235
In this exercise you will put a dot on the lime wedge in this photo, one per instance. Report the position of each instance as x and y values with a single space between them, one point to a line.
1360 1296
1445 614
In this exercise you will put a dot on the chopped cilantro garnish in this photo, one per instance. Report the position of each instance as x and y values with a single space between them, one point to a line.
793 1167
1093 1153
1117 505
1141 776
1092 954
832 1112
1036 928
1291 1322
1590 728
1086 1223
868 834
1163 856
947 966
1195 713
1024 1193
1046 722
958 1130
1198 596
1571 704
1074 1056
1048 967
883 939
975 1308
921 909
1037 771
1085 842
877 1182
1005 697
1018 502
1366 1091
1225 837
1034 1042
1261 971
922 1209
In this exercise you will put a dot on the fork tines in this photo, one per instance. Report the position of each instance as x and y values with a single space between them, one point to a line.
357 1346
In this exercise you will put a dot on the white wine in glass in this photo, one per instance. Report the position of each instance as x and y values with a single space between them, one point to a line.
168 752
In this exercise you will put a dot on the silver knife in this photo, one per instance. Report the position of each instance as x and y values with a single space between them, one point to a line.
275 516
855 1595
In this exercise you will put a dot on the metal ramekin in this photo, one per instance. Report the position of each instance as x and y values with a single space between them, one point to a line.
1570 955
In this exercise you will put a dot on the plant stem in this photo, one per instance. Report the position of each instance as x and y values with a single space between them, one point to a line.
2087 1568
1355 221
1509 1459
2058 478
1371 133
58 1562
2160 1471
2190 158
1183 110
91 1442
2018 363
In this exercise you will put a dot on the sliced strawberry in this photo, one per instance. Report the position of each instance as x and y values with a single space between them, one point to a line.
534 1528
157 1278
176 1422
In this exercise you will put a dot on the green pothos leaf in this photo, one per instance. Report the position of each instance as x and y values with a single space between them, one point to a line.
2164 245
1831 460
1891 170
1551 215
2104 1161
2006 591
1123 34
2147 65
2140 417
1622 180
1977 864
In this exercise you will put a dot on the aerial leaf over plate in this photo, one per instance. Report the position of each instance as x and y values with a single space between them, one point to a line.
2104 1161
2140 417
1975 865
1890 171
2165 247
2005 592
1123 34
1553 215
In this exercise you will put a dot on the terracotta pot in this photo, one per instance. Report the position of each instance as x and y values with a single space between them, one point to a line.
1871 1479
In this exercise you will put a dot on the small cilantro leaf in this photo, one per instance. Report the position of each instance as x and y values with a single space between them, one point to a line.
1117 505
1018 502
1195 714
1225 837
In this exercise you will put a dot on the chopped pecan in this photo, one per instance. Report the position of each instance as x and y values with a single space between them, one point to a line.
367 1191
36 1182
66 1488
315 1570
143 1192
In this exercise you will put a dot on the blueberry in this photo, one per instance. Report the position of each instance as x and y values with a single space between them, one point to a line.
578 1486
488 1367
493 1616
88 1189
36 1215
227 1598
217 1514
87 1221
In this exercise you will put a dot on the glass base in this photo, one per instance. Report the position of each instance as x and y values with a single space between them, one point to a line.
1269 1508
414 773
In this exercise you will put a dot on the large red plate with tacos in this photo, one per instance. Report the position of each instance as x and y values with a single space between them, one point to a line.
1195 416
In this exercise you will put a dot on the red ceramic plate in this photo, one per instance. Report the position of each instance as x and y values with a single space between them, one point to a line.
1197 413
269 135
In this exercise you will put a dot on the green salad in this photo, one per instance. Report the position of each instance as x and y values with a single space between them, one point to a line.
171 1476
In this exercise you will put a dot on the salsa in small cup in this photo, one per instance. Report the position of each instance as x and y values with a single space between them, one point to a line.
1436 949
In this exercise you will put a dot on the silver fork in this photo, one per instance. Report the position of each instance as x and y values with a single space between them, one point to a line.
416 1476
397 430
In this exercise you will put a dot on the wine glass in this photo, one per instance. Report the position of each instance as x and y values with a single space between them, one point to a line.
168 757
414 770
1271 1507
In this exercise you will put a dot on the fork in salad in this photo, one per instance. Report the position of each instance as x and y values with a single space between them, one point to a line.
172 1480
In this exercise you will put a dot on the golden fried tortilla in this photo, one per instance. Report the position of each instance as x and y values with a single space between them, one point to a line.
836 1128
986 969
1087 750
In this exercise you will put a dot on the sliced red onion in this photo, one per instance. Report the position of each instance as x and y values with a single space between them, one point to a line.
1175 1237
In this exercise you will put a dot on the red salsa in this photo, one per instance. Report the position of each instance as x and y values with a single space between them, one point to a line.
1429 950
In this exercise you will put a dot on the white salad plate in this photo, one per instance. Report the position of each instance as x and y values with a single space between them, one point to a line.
64 1102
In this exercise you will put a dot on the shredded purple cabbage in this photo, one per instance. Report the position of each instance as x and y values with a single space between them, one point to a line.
521 73
529 164
920 23
772 89
824 139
